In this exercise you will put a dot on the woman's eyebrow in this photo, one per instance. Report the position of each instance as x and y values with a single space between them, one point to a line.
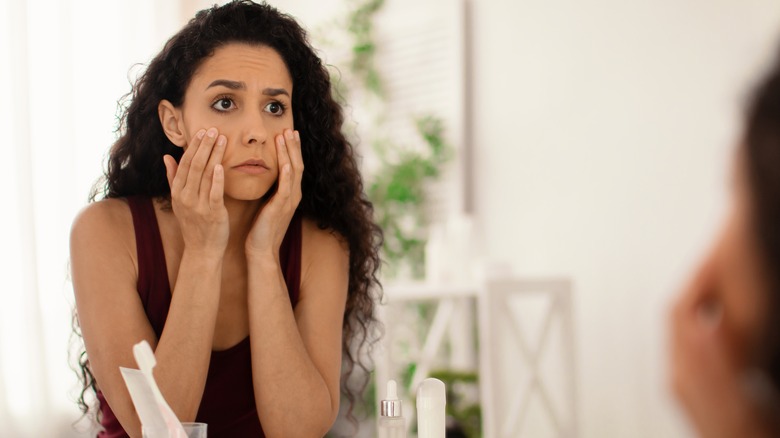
275 92
238 85
233 85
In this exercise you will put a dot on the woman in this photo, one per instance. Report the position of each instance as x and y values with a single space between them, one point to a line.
725 349
248 275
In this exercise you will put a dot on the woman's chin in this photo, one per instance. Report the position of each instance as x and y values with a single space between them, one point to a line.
247 195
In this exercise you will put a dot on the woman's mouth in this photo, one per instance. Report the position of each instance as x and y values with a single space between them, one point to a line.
253 167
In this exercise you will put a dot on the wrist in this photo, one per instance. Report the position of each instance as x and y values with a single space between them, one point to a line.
204 255
263 259
260 252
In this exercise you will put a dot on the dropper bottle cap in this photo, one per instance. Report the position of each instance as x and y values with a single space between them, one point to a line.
390 406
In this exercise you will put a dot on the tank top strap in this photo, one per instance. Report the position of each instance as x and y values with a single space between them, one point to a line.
153 286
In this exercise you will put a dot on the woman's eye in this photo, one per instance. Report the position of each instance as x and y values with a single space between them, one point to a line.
223 104
275 108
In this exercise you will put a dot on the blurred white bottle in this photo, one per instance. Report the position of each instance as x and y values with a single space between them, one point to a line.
391 422
431 403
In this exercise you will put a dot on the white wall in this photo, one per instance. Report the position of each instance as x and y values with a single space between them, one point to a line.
603 137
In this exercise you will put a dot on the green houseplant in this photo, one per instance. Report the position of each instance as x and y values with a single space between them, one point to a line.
397 188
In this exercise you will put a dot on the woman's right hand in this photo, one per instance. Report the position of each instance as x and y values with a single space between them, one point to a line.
197 185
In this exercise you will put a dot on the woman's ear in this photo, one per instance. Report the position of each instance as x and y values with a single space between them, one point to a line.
172 123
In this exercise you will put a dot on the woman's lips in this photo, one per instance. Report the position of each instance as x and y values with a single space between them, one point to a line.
253 167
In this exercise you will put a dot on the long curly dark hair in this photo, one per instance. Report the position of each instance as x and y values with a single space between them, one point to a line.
332 187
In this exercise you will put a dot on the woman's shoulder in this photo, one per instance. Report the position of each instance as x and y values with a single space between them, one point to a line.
318 237
107 221
109 212
322 249
324 259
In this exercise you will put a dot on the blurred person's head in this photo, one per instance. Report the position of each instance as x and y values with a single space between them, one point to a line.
726 338
171 95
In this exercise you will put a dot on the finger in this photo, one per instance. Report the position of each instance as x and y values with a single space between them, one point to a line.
170 169
215 159
298 166
285 168
296 160
216 200
198 164
293 139
185 161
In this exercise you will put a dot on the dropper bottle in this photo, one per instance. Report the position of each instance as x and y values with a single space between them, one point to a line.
391 422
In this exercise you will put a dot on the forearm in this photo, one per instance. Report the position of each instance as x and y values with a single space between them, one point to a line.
184 349
291 394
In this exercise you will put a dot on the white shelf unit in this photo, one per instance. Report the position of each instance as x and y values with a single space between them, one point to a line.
524 359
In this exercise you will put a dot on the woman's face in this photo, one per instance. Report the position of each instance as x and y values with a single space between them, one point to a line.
716 327
245 92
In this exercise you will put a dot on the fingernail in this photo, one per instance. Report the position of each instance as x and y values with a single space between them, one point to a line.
221 140
280 140
297 136
288 134
200 134
212 132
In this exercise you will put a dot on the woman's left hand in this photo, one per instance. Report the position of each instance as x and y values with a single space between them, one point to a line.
271 223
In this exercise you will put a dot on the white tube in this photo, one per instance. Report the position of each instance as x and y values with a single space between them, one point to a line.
431 403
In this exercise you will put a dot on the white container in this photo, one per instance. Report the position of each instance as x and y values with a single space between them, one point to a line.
431 404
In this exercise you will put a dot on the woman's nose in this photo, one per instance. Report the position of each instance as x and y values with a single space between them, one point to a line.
254 130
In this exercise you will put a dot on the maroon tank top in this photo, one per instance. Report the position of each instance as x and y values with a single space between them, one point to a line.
228 403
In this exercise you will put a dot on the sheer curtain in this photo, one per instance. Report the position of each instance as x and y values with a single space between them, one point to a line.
63 65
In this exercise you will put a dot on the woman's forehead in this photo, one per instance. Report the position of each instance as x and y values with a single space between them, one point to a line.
254 66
